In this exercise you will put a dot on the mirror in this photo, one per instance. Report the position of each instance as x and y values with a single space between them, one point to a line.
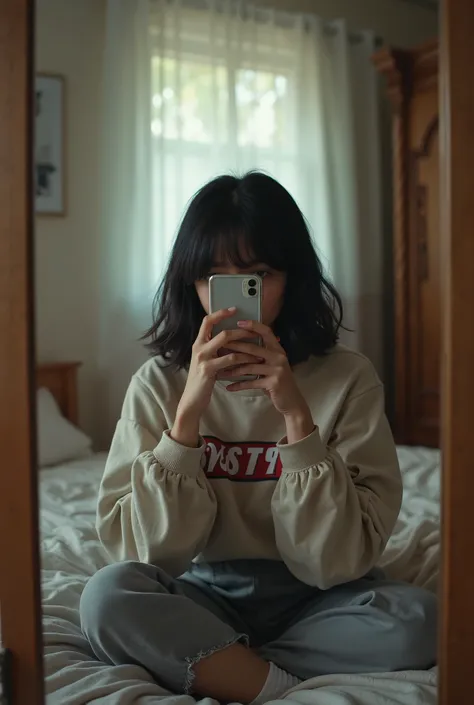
160 98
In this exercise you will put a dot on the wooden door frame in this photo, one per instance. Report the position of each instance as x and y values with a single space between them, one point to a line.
19 555
456 644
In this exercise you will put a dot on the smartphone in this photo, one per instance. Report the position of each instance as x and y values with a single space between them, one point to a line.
244 291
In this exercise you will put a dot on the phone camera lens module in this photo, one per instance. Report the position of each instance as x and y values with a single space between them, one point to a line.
252 283
252 292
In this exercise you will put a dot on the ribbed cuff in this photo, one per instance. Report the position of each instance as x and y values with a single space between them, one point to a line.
178 458
302 454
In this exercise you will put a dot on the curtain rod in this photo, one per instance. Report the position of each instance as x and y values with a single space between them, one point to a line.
354 36
329 26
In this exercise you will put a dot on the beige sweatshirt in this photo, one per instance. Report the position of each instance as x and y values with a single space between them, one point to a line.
325 505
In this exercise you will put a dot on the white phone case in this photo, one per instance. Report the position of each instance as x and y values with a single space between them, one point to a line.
226 290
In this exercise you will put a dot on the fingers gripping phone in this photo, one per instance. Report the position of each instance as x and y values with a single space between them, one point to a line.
244 291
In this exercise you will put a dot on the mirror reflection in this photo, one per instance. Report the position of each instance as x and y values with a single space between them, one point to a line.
238 342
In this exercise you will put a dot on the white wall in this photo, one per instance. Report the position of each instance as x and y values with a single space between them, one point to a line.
69 38
70 35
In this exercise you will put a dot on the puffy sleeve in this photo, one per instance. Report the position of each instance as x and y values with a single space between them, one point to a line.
335 506
155 504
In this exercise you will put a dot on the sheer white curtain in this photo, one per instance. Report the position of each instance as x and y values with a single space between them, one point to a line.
344 202
195 88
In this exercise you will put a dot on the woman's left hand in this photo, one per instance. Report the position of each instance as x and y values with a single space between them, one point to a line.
275 376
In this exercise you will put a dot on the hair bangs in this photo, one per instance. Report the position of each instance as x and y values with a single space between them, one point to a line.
228 242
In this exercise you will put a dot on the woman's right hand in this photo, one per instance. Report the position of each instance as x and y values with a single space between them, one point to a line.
205 365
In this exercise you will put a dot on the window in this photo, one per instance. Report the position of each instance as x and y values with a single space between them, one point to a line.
224 97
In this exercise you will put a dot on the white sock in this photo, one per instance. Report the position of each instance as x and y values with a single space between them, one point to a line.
277 683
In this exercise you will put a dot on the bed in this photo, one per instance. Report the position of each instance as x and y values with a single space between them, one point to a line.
71 553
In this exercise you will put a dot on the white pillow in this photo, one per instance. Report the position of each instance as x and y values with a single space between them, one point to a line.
58 440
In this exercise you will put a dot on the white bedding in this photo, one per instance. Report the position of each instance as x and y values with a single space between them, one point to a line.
71 553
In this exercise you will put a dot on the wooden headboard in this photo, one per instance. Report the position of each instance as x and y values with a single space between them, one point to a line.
61 380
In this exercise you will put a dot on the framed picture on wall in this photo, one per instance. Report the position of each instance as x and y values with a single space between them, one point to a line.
49 159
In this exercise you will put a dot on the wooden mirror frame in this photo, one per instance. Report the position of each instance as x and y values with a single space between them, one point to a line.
19 580
456 637
20 607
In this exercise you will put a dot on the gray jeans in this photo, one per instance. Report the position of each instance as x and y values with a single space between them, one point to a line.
134 613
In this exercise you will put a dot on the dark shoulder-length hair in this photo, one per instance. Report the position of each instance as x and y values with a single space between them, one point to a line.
232 216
